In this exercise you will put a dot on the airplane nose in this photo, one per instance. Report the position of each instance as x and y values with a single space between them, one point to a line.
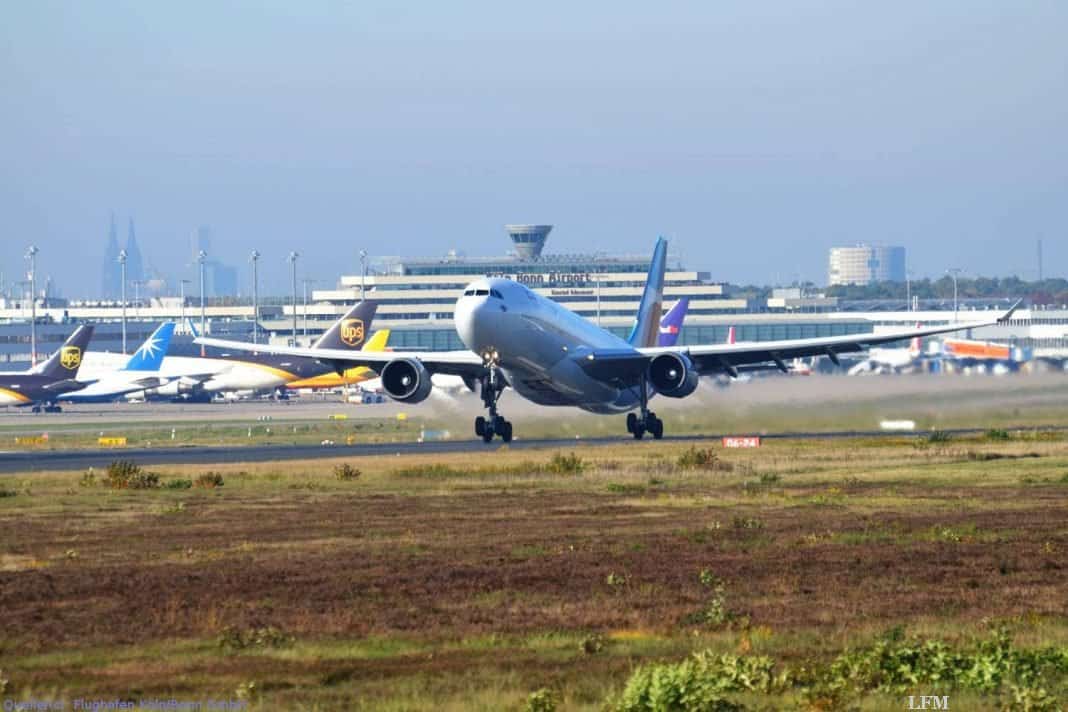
474 322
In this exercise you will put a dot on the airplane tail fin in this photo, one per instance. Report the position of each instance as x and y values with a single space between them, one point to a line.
671 324
64 363
916 345
149 357
731 337
350 331
644 332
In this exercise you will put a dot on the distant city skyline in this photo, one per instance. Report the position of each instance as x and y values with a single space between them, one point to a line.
754 137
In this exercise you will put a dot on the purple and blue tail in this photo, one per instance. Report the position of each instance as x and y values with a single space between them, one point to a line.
671 324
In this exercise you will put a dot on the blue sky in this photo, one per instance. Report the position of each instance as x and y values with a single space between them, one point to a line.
755 135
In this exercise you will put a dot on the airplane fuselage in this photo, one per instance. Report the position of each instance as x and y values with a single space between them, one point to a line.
536 341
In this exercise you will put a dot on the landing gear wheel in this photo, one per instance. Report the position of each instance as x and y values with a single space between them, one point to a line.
632 422
487 435
36 409
480 426
656 427
506 431
638 431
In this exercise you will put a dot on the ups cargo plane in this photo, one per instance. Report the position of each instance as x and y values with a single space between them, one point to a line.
518 339
40 387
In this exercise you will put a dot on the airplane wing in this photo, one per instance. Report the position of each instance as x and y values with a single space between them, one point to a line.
454 363
626 366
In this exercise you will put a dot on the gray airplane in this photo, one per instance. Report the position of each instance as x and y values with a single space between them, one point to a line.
518 339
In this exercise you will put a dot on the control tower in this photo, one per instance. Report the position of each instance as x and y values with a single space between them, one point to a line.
528 239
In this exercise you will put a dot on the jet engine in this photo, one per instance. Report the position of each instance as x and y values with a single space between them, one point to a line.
406 380
673 375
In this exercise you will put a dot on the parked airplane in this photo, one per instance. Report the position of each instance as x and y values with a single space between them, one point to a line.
140 372
552 356
200 377
39 387
893 360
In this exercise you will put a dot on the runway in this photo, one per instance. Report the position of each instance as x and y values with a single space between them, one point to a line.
25 462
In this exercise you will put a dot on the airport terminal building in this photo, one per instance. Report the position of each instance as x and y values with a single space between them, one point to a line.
417 297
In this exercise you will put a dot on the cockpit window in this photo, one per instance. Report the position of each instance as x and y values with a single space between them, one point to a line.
469 293
481 292
495 293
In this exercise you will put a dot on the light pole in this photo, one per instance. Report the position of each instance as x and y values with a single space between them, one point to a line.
255 259
293 261
363 274
122 268
31 255
306 282
908 290
953 272
181 307
202 256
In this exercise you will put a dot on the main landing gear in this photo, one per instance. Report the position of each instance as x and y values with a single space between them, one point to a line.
495 424
47 408
645 421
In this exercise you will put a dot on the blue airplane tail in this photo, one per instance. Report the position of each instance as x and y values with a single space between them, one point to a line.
644 332
150 356
671 324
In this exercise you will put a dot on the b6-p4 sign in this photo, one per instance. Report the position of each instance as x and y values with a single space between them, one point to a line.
746 441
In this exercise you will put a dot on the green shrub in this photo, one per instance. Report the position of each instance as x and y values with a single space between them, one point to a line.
178 484
697 683
542 700
7 493
210 480
702 459
938 437
570 464
88 479
997 434
592 644
265 637
125 474
346 472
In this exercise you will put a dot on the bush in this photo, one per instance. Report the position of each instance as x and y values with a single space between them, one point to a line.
7 493
124 474
178 484
592 644
702 459
542 700
88 479
997 434
698 683
938 437
346 472
570 464
210 480
265 637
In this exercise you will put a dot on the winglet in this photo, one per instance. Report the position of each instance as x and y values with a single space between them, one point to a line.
1008 315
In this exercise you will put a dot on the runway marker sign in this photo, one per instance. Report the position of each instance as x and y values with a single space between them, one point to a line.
112 441
746 441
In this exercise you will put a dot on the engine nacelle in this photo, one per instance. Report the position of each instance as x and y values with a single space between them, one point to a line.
673 375
406 380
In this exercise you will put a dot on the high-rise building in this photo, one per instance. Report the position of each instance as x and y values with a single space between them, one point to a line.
864 264
111 273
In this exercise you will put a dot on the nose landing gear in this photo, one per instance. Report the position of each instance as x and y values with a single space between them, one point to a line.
495 424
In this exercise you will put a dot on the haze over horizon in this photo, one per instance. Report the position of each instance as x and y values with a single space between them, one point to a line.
754 136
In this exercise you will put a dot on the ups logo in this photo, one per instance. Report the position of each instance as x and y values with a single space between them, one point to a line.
70 357
352 331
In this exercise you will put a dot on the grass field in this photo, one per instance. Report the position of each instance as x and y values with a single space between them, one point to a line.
813 573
